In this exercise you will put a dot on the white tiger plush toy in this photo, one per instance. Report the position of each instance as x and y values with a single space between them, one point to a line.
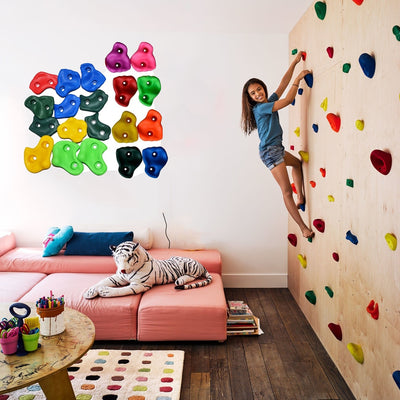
138 271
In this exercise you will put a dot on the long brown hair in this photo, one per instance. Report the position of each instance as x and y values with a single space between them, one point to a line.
248 120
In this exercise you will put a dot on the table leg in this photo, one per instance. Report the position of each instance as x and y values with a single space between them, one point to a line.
57 386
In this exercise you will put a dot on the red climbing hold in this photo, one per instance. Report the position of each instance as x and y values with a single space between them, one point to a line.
319 225
329 50
313 184
373 309
382 161
292 239
42 81
150 128
323 172
336 330
125 88
294 188
358 2
335 256
334 121
303 55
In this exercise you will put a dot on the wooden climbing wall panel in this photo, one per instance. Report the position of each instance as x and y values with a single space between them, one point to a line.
370 209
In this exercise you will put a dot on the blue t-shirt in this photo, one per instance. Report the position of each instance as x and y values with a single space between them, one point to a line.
268 125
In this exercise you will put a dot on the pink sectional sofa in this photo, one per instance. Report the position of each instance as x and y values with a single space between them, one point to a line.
160 314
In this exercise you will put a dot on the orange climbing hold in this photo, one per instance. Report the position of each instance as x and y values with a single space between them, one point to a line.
334 121
373 309
150 128
38 158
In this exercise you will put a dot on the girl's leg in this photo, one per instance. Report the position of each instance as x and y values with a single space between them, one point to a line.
297 175
281 176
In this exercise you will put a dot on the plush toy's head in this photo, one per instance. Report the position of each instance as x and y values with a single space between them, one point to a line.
129 256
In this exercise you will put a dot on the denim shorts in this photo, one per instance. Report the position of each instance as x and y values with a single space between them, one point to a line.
271 156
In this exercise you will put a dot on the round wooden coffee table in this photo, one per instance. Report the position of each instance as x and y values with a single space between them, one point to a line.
48 364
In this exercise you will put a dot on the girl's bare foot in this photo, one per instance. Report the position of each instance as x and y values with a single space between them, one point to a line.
308 233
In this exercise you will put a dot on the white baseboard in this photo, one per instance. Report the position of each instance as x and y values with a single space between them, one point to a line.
255 280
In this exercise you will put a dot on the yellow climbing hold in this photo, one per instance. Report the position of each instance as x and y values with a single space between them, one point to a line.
72 128
331 198
324 104
304 155
356 351
38 158
391 241
297 131
303 260
360 124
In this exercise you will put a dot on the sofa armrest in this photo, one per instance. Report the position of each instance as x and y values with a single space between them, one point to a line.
7 242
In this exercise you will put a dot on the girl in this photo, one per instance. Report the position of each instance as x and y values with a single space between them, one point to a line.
261 112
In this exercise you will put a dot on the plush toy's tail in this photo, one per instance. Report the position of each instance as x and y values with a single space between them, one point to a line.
205 282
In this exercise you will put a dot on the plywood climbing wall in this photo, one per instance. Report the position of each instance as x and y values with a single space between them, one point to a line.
356 202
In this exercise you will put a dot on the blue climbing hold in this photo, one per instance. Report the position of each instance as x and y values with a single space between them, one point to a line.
352 238
315 127
68 81
367 63
154 159
300 91
396 377
309 79
92 79
68 108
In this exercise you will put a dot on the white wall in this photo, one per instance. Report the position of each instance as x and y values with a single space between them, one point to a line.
214 191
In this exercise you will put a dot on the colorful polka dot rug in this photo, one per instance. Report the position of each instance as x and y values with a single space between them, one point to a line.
120 375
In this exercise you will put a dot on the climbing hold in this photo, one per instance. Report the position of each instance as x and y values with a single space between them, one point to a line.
64 156
360 124
91 79
42 81
329 291
303 260
125 131
291 147
367 63
335 256
294 188
352 238
143 59
324 104
350 182
313 184
303 55
315 127
293 102
323 172
346 67
382 161
91 154
38 158
336 330
117 60
319 225
41 127
68 81
309 80
329 50
95 102
373 309
297 131
41 106
129 158
68 108
320 9
310 296
358 2
300 91
294 51
396 32
304 155
331 198
96 129
154 159
149 87
396 377
356 351
150 128
334 121
302 207
292 239
72 128
309 239
125 88
391 240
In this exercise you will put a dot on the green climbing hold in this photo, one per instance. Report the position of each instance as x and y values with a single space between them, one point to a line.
350 182
329 291
320 9
294 51
96 129
310 296
149 87
346 67
396 32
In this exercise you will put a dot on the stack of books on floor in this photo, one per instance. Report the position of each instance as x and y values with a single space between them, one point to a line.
241 320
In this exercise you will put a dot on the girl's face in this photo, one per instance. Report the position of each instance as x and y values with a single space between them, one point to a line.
257 93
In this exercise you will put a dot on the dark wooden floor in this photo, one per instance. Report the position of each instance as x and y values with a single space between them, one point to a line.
287 362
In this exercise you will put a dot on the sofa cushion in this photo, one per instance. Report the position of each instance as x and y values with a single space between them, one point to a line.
56 239
13 285
114 318
167 314
7 242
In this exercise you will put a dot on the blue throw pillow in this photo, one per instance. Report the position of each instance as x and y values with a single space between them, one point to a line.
96 243
56 239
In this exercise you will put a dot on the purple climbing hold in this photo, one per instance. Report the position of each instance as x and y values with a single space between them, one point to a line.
367 63
68 81
117 60
91 79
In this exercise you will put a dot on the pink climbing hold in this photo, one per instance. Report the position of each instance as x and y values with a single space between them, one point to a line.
143 59
329 50
382 161
319 225
42 81
292 239
334 121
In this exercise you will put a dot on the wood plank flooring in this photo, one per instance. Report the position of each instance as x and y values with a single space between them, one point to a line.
288 362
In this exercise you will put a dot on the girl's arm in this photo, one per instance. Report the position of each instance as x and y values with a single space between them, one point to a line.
288 75
281 103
